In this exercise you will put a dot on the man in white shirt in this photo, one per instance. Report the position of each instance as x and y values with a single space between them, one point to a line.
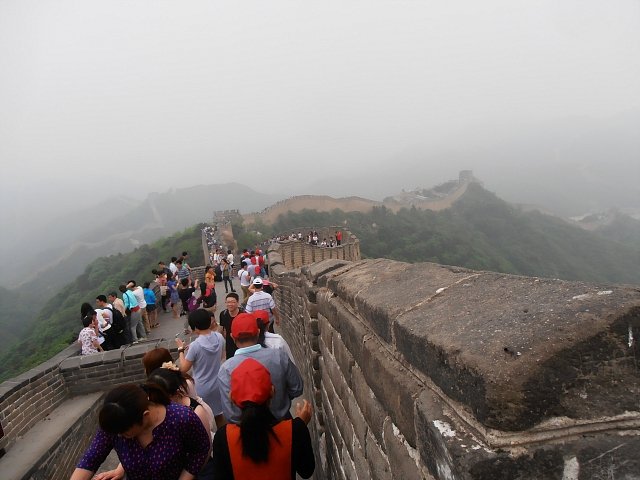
173 267
139 294
268 339
245 281
261 300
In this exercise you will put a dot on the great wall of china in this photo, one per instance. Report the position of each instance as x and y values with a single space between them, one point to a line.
413 370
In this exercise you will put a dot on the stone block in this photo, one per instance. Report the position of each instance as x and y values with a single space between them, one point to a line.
332 378
378 461
89 360
401 456
352 331
358 422
571 341
333 432
112 356
393 385
349 468
326 333
343 357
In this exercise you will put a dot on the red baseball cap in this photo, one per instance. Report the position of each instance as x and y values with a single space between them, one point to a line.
250 382
244 325
262 316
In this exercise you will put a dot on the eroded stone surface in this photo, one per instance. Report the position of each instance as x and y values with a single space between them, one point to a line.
515 349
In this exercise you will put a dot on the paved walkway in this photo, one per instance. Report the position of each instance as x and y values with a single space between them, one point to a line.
170 327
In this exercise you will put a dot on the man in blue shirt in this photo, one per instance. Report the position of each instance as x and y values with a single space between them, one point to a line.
284 374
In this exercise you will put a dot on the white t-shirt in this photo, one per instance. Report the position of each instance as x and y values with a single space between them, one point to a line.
103 323
139 294
230 258
108 314
273 340
245 278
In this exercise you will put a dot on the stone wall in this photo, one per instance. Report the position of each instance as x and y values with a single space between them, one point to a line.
428 371
295 254
103 371
34 396
30 397
62 457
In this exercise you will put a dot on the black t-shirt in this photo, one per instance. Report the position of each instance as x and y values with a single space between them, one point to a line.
211 300
185 294
225 321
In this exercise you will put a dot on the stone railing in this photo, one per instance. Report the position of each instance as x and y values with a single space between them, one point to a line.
41 393
295 253
427 371
31 396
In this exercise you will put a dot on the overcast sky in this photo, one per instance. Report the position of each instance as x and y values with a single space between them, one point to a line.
104 97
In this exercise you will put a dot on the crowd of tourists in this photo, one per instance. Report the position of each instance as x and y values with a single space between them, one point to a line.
313 238
222 408
115 320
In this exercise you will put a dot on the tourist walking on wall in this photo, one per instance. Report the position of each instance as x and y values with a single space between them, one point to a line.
261 446
226 321
226 276
172 288
205 355
268 339
142 303
208 297
150 298
245 281
284 374
261 300
153 437
134 318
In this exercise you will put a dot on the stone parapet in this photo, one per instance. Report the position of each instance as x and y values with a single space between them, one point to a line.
36 396
295 253
429 371
30 397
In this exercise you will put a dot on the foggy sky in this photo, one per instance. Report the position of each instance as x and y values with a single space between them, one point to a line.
110 97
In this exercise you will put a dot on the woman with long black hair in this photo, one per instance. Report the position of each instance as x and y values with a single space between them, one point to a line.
154 438
261 447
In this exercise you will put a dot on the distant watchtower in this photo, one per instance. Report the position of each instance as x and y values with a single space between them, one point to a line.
466 176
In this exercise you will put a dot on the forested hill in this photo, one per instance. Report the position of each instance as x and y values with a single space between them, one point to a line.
56 325
481 231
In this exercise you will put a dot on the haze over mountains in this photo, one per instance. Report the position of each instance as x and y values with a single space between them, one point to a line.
64 246
478 230
569 166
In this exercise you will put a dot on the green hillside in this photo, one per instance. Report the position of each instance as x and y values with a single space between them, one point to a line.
57 324
480 231
483 232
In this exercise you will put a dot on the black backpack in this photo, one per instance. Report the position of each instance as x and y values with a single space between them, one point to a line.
117 321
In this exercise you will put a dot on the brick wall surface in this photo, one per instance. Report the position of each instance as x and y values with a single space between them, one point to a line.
28 398
296 254
64 454
378 414
32 396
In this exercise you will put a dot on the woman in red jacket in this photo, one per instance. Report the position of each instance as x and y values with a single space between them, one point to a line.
261 447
